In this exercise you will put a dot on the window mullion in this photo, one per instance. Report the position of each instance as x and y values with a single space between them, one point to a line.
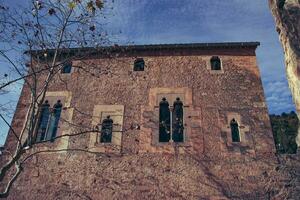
171 124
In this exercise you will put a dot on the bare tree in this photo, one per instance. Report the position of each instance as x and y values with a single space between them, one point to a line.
45 31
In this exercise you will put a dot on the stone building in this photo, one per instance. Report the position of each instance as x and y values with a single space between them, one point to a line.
176 121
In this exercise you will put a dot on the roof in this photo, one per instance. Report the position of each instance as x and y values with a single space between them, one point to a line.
150 47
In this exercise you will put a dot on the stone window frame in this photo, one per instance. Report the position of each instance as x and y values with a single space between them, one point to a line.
208 65
242 129
116 113
185 94
65 120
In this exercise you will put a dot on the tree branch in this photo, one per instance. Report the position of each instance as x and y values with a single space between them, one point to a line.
10 128
12 180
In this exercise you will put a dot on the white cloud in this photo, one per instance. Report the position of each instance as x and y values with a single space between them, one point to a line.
278 96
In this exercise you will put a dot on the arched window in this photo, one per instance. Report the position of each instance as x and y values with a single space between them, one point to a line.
235 133
43 121
139 64
215 63
164 121
54 119
177 121
67 67
106 130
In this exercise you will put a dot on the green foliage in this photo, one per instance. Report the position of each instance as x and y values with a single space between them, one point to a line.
72 5
285 127
280 4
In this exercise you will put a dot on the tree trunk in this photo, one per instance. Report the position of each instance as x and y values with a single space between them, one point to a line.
287 20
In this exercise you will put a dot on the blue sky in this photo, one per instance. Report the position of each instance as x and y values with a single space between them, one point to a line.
188 21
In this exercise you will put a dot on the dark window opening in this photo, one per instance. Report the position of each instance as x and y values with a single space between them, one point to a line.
139 64
177 121
164 121
66 69
215 63
235 133
54 119
106 130
48 122
43 121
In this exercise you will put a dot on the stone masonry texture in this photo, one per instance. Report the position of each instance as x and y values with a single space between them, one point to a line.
206 166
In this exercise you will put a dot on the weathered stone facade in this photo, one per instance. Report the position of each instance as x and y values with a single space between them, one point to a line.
287 19
207 165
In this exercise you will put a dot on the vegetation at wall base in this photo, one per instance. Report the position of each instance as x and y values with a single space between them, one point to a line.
284 129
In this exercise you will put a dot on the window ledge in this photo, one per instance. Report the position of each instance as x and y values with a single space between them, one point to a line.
180 144
216 71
